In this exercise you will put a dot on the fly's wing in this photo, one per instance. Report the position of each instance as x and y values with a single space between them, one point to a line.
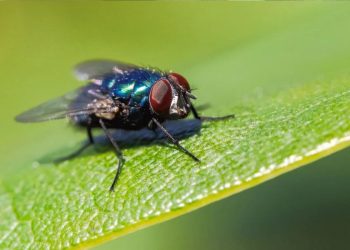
72 104
95 69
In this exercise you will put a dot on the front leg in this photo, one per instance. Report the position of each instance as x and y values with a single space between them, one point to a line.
152 126
207 118
173 140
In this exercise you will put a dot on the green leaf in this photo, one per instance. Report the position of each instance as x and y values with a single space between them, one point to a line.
69 204
291 102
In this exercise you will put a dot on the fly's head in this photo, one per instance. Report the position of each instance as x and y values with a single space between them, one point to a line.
170 97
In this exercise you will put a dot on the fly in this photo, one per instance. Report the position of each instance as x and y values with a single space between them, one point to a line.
121 96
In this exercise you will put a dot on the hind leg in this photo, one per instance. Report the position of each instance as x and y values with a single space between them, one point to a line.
86 144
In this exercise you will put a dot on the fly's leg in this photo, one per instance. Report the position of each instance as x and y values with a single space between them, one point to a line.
117 151
152 126
81 149
173 140
207 118
89 134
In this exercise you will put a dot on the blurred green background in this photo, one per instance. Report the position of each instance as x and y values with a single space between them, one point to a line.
230 52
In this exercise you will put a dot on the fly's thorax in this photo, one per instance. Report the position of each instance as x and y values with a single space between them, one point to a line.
131 84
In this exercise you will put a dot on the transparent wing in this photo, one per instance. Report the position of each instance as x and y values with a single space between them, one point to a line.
72 104
95 69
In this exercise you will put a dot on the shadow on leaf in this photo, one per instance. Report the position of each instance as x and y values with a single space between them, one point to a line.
180 129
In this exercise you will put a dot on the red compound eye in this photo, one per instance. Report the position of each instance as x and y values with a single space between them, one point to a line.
160 97
180 80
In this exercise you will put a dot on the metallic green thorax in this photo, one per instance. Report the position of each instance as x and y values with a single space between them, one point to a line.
131 87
